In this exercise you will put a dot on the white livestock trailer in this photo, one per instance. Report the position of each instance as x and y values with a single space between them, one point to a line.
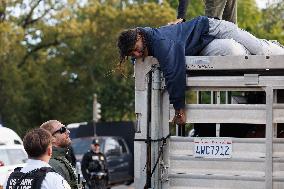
223 160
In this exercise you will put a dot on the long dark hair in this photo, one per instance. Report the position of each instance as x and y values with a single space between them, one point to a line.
126 42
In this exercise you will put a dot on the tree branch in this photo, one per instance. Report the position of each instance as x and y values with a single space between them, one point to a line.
37 48
28 19
37 19
42 46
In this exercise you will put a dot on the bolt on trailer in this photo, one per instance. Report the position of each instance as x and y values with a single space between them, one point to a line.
234 137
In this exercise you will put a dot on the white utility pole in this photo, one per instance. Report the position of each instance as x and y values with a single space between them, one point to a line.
96 109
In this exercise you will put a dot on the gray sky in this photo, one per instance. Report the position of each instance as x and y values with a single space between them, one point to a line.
262 3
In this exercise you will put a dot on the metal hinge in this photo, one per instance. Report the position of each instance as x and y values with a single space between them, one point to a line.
251 79
164 171
157 80
138 123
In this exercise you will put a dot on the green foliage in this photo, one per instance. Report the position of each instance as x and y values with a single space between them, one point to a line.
272 26
173 3
249 15
75 57
195 8
53 60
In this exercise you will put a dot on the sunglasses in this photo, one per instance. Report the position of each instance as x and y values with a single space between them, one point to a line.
61 131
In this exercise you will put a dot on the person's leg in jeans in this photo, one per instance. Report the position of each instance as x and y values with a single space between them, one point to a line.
274 47
224 47
230 11
222 9
214 8
221 29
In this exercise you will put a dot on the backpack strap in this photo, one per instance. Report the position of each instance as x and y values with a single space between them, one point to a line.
40 175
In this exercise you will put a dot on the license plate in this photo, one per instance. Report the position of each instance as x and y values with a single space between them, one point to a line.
212 147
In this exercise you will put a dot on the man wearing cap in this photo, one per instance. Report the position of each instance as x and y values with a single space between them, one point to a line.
60 143
93 161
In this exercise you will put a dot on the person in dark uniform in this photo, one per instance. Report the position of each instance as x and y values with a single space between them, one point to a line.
93 161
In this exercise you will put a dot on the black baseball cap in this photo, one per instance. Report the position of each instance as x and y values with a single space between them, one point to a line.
96 142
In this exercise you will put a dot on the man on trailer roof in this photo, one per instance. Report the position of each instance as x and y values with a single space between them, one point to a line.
170 44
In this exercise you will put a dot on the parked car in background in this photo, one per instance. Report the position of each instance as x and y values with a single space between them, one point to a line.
11 156
118 155
74 127
8 136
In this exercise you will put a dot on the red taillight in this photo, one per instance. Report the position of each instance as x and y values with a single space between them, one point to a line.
1 163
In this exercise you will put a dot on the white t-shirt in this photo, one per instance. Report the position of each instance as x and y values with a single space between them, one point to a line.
52 180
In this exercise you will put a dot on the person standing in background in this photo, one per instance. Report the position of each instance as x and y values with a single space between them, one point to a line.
94 161
221 9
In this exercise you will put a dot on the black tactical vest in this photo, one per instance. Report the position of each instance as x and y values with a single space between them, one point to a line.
29 180
97 163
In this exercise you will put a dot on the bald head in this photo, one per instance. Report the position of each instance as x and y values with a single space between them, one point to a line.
59 132
50 125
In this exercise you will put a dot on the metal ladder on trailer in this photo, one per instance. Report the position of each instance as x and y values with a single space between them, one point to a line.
254 162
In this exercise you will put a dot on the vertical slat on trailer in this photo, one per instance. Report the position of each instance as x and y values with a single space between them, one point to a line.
141 74
269 137
156 125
